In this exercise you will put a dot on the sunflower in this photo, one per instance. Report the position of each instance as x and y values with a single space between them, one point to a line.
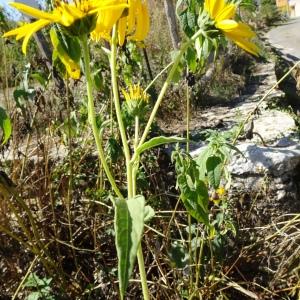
133 24
78 17
222 13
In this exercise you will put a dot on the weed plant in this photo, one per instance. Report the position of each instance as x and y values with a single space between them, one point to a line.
96 186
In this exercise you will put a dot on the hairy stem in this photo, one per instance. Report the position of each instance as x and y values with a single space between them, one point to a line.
92 116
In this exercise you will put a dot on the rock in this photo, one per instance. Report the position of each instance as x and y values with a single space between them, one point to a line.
258 160
269 176
272 125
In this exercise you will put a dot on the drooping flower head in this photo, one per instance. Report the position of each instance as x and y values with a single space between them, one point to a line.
133 24
78 17
222 13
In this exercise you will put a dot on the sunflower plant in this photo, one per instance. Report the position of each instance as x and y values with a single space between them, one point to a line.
116 22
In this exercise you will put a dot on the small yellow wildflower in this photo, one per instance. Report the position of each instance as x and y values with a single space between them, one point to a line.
218 195
78 17
136 99
133 25
222 13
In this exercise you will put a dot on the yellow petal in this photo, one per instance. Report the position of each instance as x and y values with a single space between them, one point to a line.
131 16
246 45
18 31
227 25
227 13
36 26
142 23
69 14
33 12
236 29
122 30
214 7
105 21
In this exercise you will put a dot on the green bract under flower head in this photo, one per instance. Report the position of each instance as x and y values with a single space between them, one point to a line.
136 100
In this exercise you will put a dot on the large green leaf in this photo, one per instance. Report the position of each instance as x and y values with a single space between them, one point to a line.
214 170
129 226
195 199
194 192
5 125
158 141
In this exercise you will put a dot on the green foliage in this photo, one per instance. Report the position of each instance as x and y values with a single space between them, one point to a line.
214 170
192 18
158 141
269 12
5 125
67 50
40 287
130 64
193 191
178 255
213 158
129 226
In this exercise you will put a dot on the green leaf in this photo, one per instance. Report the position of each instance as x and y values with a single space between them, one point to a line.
196 201
177 74
40 78
158 141
194 192
149 213
34 296
214 170
129 226
201 161
71 65
5 125
199 47
191 59
178 255
98 80
34 280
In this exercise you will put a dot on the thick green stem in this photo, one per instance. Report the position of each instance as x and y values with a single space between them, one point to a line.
141 263
114 82
130 168
92 115
135 164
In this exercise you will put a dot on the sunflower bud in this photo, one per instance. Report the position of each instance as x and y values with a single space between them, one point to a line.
136 100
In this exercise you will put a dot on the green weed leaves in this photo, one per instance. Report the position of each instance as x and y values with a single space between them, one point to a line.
5 125
129 227
158 141
214 170
194 192
40 287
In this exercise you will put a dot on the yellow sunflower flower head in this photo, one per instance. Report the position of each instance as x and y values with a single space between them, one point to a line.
136 99
78 17
222 13
133 23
